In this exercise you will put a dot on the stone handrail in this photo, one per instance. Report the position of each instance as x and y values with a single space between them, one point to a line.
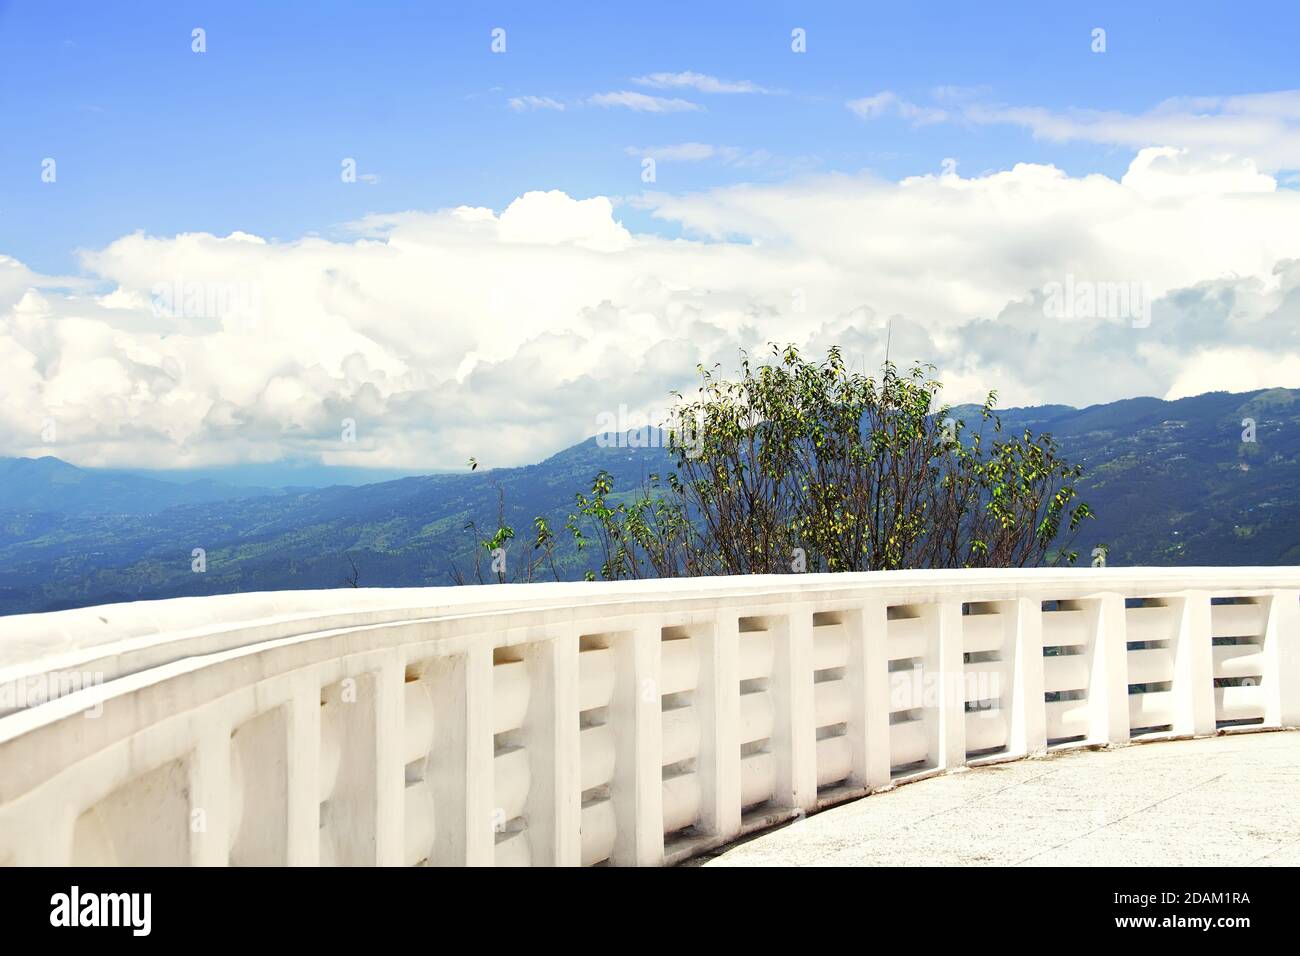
631 723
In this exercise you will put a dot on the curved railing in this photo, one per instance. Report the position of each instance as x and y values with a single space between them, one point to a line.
628 723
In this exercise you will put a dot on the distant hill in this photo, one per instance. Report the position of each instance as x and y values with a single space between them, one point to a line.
51 484
400 533
1173 484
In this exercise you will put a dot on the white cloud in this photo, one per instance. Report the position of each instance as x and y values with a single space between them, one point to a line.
699 152
1236 369
552 218
677 153
959 94
524 103
697 81
1167 171
1263 126
504 334
643 102
880 104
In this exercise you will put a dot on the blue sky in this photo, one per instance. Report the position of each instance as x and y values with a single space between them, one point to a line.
199 287
249 136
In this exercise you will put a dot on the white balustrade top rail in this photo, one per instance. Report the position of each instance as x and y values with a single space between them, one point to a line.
623 723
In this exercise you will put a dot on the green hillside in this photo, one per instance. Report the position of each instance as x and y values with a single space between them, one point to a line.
1172 483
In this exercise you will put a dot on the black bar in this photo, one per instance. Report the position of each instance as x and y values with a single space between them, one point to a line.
473 907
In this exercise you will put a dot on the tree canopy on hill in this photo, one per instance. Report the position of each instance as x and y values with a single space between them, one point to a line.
798 465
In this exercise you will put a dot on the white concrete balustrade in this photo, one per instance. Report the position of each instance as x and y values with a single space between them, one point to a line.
633 723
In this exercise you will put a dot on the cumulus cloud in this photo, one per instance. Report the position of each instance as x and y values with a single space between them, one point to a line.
505 334
1169 171
553 218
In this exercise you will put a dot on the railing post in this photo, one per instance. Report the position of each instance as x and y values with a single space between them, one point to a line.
719 703
554 803
478 783
460 769
945 678
209 822
1194 710
389 769
1282 660
1107 647
636 714
1027 732
868 677
794 741
302 771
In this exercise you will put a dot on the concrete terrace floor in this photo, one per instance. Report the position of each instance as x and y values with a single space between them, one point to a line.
1220 801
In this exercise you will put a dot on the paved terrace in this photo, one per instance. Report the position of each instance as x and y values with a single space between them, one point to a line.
1219 801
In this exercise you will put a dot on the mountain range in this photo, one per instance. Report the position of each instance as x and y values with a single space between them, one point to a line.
1172 483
